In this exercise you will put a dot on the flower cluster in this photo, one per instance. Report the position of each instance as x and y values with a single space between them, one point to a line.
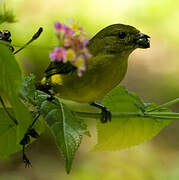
73 42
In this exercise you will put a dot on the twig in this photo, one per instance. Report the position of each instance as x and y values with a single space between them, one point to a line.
35 36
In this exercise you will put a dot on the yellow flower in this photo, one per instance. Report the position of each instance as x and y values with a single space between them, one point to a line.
84 34
80 63
76 27
70 55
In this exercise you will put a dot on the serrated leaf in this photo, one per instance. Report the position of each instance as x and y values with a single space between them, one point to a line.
126 131
66 127
28 87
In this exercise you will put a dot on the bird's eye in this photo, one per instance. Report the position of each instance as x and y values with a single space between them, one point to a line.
122 35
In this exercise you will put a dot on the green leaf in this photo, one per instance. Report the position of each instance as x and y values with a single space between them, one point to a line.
6 123
28 94
28 89
10 83
66 127
9 134
10 73
126 131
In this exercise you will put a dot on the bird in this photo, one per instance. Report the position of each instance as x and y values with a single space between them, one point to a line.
110 49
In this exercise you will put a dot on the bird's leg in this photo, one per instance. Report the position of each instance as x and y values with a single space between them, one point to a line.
106 114
51 97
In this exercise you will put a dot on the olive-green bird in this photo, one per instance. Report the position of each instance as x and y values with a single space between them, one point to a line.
107 67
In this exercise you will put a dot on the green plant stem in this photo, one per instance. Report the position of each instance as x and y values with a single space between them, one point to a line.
163 113
167 115
146 114
164 105
164 117
98 115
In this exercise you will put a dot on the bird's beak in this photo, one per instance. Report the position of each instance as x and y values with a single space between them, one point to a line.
142 41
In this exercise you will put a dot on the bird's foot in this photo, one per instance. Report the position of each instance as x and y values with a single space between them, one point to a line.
50 97
105 114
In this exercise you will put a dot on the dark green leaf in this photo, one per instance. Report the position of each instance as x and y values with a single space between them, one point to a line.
67 128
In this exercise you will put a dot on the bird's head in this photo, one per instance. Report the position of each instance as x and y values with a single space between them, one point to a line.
118 38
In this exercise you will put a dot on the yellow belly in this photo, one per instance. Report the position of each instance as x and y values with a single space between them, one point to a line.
95 83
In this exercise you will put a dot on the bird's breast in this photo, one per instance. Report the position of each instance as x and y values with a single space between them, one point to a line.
101 76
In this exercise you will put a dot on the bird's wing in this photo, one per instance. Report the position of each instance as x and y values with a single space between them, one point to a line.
59 68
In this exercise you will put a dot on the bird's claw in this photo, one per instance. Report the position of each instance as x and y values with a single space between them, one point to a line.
106 115
50 97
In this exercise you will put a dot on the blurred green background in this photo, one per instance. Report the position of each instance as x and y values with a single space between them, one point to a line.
152 73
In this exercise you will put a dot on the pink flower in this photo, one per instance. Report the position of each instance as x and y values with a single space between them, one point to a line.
79 72
72 46
86 53
85 42
59 27
84 38
58 54
69 31
67 42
